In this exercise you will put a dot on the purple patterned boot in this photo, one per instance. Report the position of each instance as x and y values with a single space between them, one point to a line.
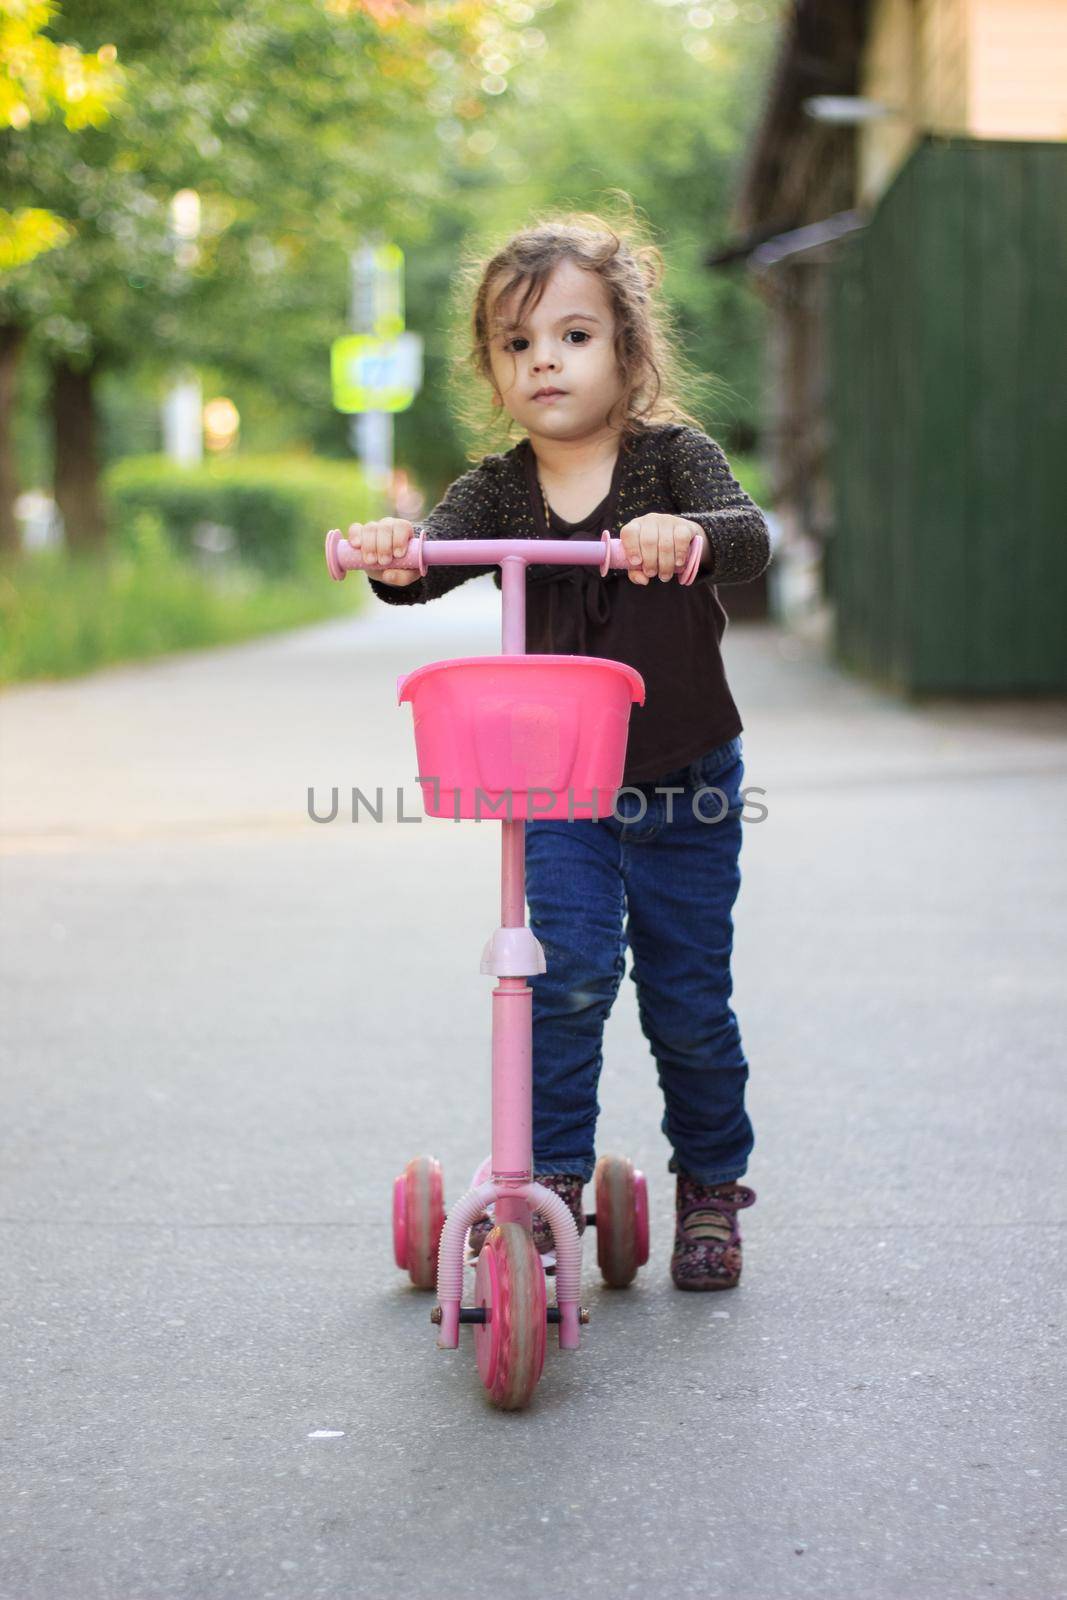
707 1240
568 1185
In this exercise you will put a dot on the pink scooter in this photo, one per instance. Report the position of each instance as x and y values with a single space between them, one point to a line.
509 737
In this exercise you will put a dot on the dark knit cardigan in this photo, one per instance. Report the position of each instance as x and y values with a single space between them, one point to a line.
670 467
671 634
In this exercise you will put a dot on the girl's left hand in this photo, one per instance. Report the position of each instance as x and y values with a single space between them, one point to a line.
657 545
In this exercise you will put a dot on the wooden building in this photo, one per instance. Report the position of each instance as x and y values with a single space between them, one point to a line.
903 211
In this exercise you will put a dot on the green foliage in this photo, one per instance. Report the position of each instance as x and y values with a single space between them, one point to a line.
38 77
27 233
656 100
751 476
267 513
62 615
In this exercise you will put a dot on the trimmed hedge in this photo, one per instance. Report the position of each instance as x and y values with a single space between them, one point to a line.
267 512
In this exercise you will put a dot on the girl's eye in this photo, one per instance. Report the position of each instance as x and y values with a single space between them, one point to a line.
520 340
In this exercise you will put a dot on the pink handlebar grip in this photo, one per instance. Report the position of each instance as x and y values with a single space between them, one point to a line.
604 553
334 539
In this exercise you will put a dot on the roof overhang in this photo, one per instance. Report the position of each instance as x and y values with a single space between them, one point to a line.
762 250
819 54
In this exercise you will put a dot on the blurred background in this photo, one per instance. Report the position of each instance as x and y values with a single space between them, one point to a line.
229 313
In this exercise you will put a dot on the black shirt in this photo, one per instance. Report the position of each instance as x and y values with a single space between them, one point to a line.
670 633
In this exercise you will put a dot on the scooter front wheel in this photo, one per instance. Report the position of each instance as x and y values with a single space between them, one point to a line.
418 1218
509 1282
621 1200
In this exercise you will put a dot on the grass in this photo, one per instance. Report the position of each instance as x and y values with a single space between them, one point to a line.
61 616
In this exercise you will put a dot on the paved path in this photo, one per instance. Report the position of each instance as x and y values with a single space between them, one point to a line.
228 1027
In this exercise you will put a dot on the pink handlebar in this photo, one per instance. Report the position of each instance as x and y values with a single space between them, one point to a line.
422 553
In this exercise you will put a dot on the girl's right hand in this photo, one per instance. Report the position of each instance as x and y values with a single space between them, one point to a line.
378 542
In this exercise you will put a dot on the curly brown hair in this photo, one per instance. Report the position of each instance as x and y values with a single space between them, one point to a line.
653 370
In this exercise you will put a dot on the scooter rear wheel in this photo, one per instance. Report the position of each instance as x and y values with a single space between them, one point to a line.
621 1200
509 1282
418 1218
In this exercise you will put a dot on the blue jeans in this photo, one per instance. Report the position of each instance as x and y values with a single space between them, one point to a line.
674 879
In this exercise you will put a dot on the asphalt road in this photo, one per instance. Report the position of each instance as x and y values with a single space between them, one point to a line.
228 1027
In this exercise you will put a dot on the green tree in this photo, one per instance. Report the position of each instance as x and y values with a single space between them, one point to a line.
298 123
38 79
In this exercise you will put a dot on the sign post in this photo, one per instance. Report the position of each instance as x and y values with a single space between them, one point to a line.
376 370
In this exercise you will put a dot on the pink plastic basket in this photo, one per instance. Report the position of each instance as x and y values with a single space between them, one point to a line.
521 736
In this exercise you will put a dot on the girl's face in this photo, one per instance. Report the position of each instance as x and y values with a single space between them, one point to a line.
566 344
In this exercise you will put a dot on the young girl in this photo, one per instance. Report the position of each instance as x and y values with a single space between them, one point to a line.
573 345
